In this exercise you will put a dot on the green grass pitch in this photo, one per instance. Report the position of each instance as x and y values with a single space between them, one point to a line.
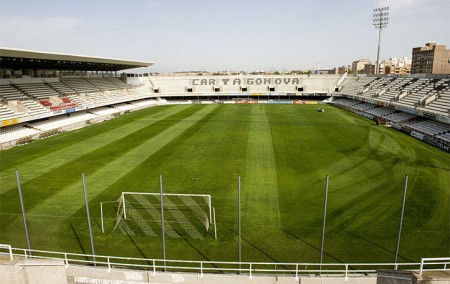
282 154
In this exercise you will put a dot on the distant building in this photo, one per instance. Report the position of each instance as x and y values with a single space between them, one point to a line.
342 69
324 71
396 66
369 68
431 59
358 65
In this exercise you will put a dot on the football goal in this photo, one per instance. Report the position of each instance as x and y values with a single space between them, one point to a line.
184 214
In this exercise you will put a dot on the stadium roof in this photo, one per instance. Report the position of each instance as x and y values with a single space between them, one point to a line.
27 59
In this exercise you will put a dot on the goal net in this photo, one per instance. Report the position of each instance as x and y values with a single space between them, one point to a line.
184 214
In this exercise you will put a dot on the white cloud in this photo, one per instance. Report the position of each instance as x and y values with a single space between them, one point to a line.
19 30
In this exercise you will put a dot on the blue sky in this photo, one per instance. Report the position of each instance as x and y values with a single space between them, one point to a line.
224 35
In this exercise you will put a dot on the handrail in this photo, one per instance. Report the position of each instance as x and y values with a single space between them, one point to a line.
9 250
250 268
434 261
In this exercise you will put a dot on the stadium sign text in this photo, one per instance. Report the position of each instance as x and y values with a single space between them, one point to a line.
248 81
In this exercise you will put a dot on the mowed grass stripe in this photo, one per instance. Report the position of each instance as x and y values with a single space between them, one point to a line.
145 177
32 168
115 170
205 159
39 148
52 181
260 188
366 165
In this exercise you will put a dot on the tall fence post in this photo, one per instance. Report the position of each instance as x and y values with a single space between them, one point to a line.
401 221
101 216
239 224
124 206
215 224
162 221
88 217
323 223
23 211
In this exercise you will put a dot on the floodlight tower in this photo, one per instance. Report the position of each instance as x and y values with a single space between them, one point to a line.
380 21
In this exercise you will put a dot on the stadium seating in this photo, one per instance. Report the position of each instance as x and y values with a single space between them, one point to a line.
16 132
144 103
99 98
6 113
441 105
105 111
80 102
416 94
364 106
444 137
124 107
62 88
46 103
102 83
117 82
34 108
381 111
398 117
388 114
38 91
429 127
346 102
8 92
60 122
80 85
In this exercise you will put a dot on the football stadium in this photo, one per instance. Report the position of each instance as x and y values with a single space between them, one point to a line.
114 177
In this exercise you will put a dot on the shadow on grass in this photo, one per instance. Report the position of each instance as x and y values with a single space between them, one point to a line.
78 240
198 251
376 245
138 248
259 249
312 246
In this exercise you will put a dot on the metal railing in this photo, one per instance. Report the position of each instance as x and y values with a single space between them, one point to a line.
246 268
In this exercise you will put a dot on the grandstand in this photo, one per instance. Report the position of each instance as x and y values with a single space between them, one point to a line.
413 105
427 97
28 100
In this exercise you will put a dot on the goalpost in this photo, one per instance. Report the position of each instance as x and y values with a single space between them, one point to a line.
186 213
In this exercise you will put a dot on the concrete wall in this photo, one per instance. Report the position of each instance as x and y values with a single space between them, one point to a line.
82 274
282 84
37 271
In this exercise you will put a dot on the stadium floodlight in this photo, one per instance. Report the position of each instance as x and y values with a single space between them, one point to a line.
380 21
